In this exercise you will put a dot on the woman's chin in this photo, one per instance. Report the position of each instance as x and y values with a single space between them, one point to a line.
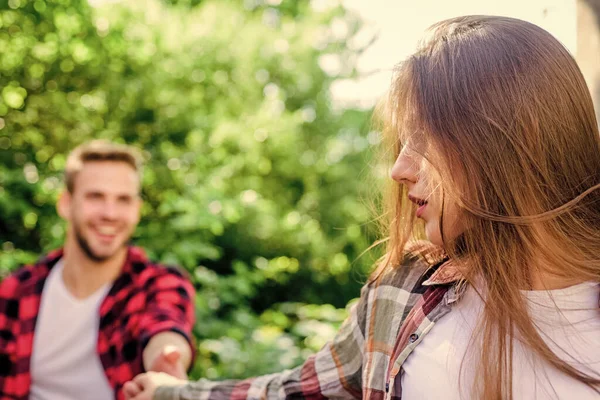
433 235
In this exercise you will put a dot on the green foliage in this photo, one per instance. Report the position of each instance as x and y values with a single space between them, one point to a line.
253 178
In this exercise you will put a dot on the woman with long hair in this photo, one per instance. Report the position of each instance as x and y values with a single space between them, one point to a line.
489 286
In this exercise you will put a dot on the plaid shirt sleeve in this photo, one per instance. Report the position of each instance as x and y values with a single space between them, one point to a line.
9 310
147 299
17 313
169 307
334 372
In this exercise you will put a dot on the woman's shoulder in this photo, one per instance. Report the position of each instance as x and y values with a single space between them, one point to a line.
418 261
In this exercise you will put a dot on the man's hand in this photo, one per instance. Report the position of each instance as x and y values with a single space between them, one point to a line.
168 352
144 386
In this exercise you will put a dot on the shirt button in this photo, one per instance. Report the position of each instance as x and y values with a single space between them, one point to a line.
413 338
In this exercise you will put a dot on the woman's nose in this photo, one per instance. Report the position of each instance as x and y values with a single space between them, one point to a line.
404 169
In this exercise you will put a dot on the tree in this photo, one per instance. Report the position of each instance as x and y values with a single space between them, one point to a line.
253 177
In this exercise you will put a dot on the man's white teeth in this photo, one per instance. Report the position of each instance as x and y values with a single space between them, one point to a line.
107 230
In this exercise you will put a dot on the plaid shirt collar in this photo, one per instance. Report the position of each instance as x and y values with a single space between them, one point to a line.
446 274
134 255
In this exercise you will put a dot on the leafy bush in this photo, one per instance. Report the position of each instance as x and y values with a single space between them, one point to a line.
253 179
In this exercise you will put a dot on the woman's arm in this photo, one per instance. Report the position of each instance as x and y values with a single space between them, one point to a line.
335 371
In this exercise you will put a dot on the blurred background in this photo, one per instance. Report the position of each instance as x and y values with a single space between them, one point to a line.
254 117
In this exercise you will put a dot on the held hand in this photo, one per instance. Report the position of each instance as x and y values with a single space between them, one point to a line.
169 361
144 386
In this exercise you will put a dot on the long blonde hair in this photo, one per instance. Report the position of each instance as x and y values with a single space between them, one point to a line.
511 130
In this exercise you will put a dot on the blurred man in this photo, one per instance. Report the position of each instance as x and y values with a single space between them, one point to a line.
90 316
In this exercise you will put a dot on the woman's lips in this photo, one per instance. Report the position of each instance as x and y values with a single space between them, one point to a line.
419 202
420 210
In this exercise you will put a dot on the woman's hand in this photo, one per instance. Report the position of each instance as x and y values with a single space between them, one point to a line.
143 386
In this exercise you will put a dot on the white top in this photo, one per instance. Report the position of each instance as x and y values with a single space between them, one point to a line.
432 370
64 362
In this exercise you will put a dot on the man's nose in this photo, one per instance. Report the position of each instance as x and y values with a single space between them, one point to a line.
109 210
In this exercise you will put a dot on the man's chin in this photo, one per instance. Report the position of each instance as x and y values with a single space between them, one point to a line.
103 255
97 251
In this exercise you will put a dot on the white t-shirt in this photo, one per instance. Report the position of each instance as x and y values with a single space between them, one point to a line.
64 362
432 370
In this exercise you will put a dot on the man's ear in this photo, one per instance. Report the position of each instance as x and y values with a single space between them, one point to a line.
64 204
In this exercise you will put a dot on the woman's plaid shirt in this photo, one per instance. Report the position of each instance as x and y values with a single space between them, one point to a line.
394 313
144 300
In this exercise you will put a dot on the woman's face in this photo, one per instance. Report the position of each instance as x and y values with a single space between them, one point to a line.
424 189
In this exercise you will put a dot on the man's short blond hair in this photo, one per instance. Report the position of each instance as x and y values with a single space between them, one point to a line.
100 150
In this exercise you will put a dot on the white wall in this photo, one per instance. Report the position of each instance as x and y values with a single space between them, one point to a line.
588 49
399 24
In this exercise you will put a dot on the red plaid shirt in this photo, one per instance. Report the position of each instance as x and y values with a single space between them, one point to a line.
144 300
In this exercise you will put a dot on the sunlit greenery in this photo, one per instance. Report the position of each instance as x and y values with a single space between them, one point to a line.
254 180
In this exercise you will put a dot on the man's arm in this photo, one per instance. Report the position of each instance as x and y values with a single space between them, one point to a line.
166 327
8 388
168 352
14 372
